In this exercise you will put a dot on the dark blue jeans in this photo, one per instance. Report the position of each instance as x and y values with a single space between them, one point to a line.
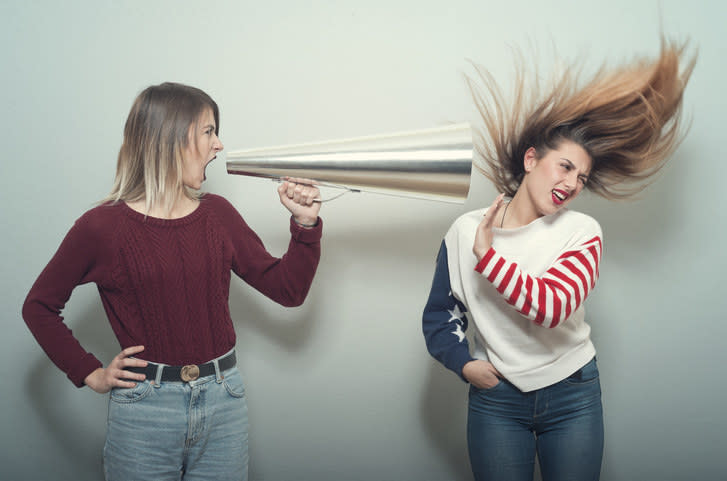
562 423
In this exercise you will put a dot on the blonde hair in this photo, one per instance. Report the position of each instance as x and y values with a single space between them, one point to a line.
157 130
627 119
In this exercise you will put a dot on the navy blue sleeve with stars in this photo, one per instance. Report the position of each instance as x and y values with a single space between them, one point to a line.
444 321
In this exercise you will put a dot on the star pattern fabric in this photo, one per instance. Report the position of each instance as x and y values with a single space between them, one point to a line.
457 317
444 321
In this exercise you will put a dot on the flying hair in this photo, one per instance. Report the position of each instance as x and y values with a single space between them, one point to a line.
628 119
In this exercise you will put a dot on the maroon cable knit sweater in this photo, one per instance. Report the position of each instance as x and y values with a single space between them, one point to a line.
163 283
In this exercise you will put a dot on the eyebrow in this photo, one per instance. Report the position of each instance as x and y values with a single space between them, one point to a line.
574 166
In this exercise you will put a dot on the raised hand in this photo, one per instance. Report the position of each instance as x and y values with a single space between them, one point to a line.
302 198
483 237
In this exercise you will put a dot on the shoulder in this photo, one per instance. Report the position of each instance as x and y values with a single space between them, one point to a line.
467 220
219 205
573 221
578 230
96 227
223 212
215 201
102 217
463 229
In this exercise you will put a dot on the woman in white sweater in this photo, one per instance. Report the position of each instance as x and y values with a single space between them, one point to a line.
521 269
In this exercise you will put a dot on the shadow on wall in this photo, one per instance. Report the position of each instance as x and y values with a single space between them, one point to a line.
443 415
641 227
406 244
443 402
74 429
290 329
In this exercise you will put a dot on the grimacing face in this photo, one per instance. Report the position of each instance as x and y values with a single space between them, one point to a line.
556 178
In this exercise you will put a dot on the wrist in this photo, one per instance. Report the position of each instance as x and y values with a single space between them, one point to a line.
306 223
466 369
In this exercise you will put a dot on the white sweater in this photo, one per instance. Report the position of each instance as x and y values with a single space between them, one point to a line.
526 295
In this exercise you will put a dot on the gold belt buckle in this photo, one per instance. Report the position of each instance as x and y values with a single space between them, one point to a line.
189 373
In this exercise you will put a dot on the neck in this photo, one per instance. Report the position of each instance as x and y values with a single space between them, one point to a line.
521 211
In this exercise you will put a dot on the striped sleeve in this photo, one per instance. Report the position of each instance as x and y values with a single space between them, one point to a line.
550 299
444 321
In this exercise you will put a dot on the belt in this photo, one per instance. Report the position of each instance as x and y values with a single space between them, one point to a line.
186 373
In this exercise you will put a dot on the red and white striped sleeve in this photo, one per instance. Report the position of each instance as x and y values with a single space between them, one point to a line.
550 299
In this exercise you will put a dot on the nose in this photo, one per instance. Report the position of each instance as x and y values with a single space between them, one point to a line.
218 144
571 181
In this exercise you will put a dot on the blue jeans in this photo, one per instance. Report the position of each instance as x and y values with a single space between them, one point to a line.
562 423
178 431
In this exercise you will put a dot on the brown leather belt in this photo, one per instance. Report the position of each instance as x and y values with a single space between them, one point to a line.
186 373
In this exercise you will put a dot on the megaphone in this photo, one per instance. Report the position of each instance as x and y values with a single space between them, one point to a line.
431 164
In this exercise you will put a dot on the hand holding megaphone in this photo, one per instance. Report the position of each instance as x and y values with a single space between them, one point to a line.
302 198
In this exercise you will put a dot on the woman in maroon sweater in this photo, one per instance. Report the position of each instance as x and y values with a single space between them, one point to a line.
161 254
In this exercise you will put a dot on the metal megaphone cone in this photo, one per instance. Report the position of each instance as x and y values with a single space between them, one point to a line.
432 164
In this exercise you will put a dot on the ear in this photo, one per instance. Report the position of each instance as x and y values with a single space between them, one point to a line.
530 159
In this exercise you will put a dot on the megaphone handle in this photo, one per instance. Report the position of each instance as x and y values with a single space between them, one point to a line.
319 184
337 196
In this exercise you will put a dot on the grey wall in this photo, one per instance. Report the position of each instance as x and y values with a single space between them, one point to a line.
342 388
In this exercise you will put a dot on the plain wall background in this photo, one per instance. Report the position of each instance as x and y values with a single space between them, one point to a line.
342 388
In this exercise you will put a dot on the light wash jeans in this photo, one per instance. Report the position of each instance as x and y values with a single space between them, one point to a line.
178 431
563 423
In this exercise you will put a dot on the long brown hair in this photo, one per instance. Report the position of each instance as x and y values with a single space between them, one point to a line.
627 119
149 165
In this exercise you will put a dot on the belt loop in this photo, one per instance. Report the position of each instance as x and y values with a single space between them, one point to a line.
158 380
218 374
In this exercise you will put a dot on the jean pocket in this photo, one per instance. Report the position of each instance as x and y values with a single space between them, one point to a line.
588 374
126 395
487 390
234 385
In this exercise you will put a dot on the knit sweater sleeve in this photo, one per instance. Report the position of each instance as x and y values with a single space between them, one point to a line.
285 280
74 263
444 321
549 299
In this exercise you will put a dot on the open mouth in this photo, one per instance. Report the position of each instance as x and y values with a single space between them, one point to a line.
559 196
204 171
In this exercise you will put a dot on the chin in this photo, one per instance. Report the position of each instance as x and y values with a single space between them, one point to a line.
550 210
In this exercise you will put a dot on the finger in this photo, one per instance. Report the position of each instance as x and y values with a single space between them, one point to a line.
300 198
126 384
492 211
130 351
308 194
302 181
126 375
132 362
494 208
291 190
